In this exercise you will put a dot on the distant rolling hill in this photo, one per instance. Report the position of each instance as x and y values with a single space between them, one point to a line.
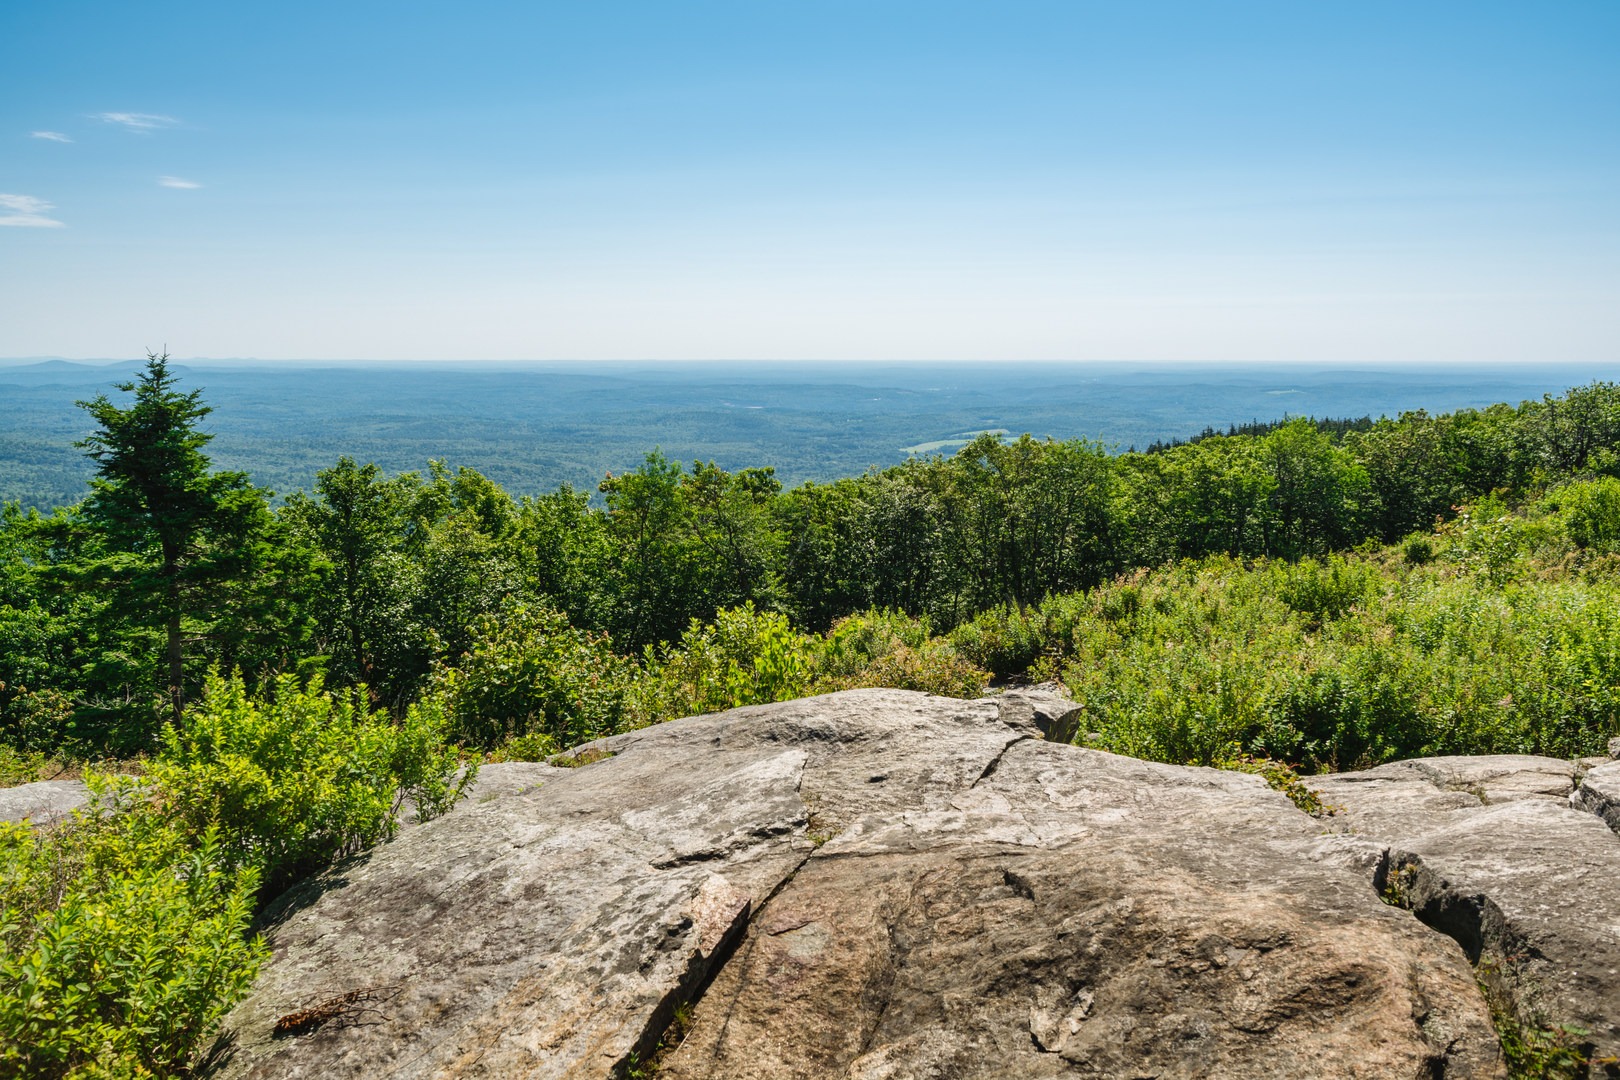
532 427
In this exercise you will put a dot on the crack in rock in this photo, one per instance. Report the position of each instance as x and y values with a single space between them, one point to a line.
720 914
1599 794
995 762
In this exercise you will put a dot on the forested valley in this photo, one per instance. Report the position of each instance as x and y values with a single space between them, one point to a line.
255 688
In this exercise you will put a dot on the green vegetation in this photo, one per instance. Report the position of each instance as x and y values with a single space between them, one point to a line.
125 940
127 928
1537 1051
303 779
118 608
1506 640
1290 598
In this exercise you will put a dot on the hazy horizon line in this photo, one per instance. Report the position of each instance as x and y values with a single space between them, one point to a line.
1381 365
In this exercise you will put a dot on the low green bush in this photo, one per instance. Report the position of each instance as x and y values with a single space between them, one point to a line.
20 766
1592 513
535 746
1324 590
855 641
307 777
892 649
530 673
125 929
1494 647
124 941
1418 550
744 657
1006 641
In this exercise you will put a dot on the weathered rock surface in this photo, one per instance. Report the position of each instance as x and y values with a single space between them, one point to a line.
874 884
1043 711
1599 793
43 801
1511 856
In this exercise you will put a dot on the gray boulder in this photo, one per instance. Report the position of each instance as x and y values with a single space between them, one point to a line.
1599 793
1509 857
869 884
1046 712
42 802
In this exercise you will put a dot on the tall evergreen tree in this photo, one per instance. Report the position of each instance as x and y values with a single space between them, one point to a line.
173 530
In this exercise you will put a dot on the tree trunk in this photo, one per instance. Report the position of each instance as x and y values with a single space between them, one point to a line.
176 657
177 667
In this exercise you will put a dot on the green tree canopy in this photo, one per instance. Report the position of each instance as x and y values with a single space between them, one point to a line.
171 534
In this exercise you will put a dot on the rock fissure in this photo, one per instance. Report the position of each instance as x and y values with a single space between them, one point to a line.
1498 855
689 988
881 993
1497 954
751 935
995 762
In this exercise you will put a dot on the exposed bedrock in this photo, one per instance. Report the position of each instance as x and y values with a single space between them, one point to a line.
1514 857
43 801
883 884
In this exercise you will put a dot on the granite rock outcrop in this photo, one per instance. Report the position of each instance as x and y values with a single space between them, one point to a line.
884 884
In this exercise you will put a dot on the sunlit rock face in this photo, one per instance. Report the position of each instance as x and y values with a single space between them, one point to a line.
884 884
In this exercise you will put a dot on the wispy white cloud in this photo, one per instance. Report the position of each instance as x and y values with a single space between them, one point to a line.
136 121
53 136
177 182
26 211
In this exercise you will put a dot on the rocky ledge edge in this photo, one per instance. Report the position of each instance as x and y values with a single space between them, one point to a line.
884 884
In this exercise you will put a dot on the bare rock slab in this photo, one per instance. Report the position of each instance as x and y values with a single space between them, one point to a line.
44 801
1080 914
1599 793
1513 858
873 884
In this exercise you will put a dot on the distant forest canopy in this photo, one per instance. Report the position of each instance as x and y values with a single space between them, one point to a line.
114 609
531 428
1336 428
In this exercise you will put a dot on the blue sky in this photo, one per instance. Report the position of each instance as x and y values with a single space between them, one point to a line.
1302 181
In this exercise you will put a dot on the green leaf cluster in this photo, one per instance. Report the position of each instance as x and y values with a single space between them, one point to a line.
305 778
744 657
532 685
125 940
529 674
126 928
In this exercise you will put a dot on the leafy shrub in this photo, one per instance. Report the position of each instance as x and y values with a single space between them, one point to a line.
1593 514
303 779
1489 540
125 929
1324 590
891 649
1005 640
934 669
534 746
856 641
123 944
19 766
744 657
530 672
1418 551
1427 660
